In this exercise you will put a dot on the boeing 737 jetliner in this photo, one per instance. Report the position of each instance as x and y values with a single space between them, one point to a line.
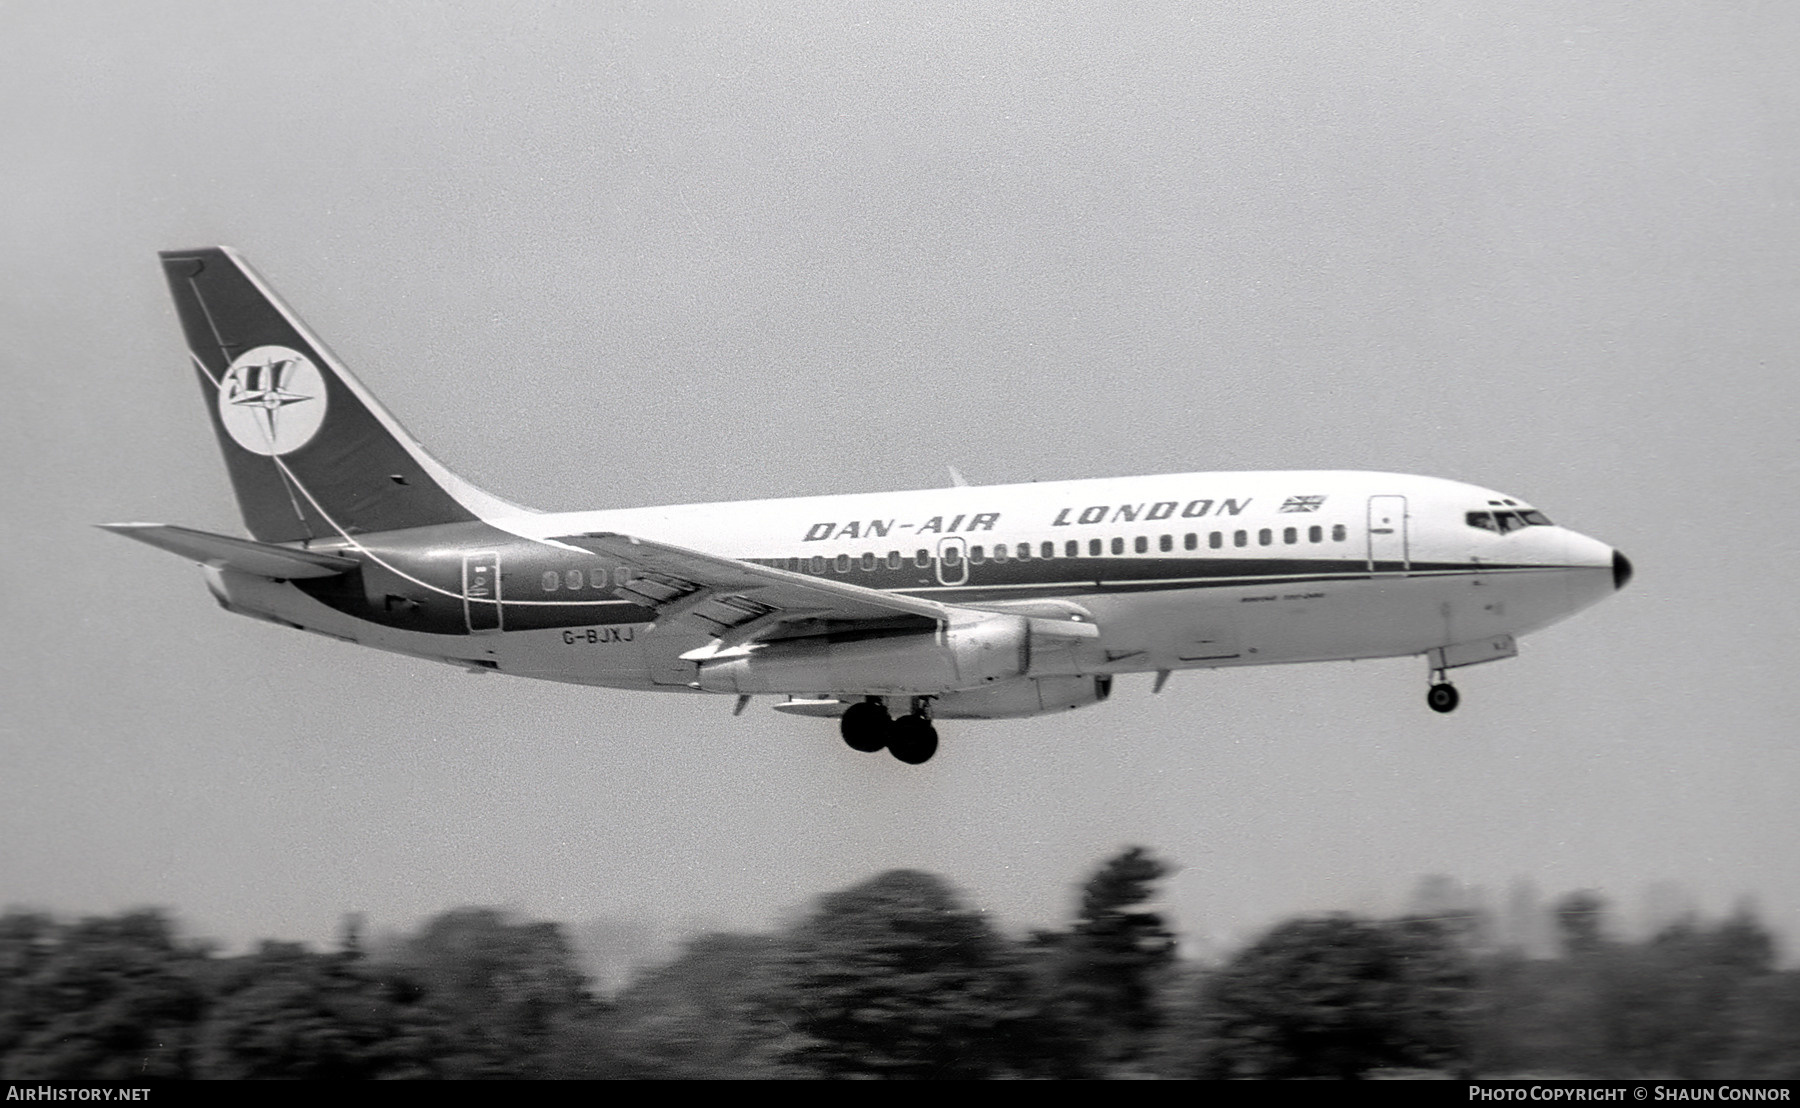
886 610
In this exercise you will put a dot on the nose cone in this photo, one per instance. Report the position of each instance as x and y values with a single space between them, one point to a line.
1621 570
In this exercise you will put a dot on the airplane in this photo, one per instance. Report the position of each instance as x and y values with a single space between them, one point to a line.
887 611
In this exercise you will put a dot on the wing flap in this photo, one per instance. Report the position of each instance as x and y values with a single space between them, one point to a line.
260 559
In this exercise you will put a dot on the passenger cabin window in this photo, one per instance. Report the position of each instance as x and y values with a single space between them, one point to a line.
1141 544
1048 550
1315 533
843 563
551 580
868 561
1290 535
1166 543
922 558
1024 551
1215 540
1072 548
999 552
1338 533
1240 538
1190 542
1265 536
976 555
893 559
1094 548
1118 546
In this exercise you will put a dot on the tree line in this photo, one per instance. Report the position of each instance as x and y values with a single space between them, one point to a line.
900 977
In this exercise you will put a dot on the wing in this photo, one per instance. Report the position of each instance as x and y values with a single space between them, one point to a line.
737 602
740 602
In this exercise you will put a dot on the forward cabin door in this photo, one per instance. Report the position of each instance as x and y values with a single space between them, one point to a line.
1388 549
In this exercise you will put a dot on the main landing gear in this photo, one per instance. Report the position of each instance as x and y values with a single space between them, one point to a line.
867 727
1442 696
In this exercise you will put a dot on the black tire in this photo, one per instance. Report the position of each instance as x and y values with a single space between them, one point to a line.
1442 698
865 727
913 740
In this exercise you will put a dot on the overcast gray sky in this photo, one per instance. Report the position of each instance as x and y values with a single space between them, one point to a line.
603 255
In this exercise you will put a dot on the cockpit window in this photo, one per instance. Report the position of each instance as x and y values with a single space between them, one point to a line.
1505 523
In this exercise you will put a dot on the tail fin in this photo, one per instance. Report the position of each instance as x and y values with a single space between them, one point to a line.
312 454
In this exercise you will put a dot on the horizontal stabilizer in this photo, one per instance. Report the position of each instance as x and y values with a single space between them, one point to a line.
258 558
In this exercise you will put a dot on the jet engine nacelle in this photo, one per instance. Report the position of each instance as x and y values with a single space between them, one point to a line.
965 655
1015 699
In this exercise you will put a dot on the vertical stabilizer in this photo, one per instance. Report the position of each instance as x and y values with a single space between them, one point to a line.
311 453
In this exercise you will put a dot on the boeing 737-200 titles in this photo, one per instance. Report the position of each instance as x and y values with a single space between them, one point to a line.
887 610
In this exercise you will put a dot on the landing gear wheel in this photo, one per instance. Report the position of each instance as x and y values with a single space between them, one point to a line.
913 740
1442 697
866 726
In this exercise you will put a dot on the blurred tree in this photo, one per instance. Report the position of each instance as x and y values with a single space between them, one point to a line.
1109 969
286 1012
1673 1005
507 993
1581 923
26 942
1767 1041
108 999
697 1017
1685 1004
895 978
1337 997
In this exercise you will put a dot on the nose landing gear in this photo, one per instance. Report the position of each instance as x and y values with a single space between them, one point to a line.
1441 696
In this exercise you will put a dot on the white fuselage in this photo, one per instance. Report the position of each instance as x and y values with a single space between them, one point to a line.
1179 571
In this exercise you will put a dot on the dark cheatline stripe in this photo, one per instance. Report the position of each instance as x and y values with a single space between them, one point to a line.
1061 576
975 593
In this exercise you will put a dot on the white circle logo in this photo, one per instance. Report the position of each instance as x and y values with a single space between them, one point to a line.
272 400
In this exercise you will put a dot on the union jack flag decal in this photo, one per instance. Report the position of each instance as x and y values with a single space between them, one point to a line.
1302 503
